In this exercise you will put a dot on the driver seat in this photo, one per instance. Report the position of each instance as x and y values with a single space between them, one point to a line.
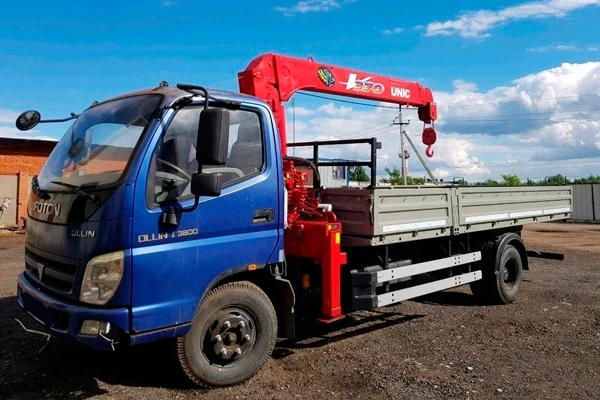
247 151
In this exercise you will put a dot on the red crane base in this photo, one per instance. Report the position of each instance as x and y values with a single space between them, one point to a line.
320 240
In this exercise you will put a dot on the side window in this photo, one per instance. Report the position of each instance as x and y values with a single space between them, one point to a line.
174 159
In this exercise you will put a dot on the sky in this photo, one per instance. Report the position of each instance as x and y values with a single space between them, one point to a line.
517 83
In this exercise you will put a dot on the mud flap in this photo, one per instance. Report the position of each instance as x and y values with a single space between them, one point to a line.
284 307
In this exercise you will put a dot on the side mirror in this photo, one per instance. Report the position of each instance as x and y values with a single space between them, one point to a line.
213 137
28 120
206 184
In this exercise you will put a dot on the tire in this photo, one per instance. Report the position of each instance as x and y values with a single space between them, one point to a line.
502 286
237 316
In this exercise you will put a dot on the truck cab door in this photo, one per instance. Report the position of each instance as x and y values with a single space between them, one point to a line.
173 266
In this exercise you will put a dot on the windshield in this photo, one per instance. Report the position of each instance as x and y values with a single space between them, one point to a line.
96 149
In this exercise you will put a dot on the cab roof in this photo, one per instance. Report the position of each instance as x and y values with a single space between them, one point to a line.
173 93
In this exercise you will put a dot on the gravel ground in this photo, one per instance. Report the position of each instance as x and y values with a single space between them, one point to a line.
545 346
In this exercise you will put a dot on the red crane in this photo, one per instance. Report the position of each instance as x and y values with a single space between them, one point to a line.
275 78
313 232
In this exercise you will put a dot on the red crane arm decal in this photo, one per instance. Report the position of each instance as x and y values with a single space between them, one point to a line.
276 78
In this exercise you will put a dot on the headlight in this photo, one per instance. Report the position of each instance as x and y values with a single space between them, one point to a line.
102 277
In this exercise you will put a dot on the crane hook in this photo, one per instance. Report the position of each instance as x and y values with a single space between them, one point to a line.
429 138
429 151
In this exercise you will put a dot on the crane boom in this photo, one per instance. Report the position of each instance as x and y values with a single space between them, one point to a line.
275 78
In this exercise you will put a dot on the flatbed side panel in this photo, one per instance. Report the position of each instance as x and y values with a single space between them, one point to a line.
386 215
400 210
482 208
353 207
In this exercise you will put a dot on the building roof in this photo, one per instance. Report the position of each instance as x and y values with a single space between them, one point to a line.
23 140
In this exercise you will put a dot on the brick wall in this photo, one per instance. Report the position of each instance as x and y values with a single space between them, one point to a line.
23 158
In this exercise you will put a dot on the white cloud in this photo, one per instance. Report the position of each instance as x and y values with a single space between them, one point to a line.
522 128
299 111
330 109
477 24
394 31
8 116
441 173
309 6
7 132
560 47
550 47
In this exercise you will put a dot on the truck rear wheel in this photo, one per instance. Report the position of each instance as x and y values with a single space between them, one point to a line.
231 338
501 286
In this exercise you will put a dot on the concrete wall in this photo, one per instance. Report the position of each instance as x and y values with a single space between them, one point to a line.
20 160
586 202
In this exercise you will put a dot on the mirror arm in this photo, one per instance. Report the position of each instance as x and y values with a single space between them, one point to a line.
172 215
73 116
192 208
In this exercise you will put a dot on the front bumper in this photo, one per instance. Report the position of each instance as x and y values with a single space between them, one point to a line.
64 319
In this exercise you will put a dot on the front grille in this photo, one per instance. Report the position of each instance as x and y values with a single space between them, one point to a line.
53 275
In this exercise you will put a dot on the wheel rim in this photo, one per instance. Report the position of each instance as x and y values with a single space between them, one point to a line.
510 273
229 337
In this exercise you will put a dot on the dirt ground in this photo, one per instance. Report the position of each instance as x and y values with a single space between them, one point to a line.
544 346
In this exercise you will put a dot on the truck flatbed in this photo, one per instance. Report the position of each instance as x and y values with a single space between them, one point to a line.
391 214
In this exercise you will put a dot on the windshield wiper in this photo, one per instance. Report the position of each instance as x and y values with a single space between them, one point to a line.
78 190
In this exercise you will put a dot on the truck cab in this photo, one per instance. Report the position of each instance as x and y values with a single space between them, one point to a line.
119 249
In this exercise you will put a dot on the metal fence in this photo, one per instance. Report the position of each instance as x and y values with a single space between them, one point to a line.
586 202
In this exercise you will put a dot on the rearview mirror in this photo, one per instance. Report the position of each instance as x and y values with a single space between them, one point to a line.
213 137
206 184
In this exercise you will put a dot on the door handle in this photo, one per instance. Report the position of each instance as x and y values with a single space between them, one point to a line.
263 215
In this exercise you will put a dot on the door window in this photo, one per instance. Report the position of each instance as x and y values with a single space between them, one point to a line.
174 159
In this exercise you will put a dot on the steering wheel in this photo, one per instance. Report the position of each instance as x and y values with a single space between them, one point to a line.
175 167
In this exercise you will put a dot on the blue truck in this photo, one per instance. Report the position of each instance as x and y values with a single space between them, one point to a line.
176 213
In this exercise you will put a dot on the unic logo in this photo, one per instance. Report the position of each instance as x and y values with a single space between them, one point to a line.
363 85
326 76
401 92
47 208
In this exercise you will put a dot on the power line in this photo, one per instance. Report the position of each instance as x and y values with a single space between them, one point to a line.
464 106
361 131
377 132
490 118
479 118
346 101
520 101
513 119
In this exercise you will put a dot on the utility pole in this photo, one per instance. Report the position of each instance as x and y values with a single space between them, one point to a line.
402 154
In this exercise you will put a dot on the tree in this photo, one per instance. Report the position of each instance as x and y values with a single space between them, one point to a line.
555 180
590 179
358 174
490 182
395 178
415 181
510 180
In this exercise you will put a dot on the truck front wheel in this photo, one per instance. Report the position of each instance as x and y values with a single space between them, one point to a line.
231 338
